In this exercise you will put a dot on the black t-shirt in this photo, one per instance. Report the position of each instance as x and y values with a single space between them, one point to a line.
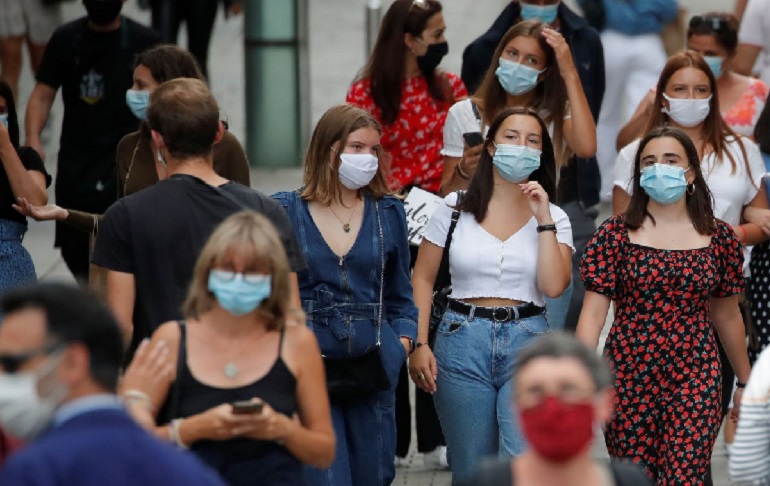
157 233
31 161
94 70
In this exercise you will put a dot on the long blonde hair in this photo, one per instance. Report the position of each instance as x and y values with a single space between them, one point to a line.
253 236
321 182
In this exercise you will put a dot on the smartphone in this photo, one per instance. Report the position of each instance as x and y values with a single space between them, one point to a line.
473 139
247 406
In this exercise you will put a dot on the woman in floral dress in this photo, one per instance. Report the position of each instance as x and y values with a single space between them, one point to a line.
673 272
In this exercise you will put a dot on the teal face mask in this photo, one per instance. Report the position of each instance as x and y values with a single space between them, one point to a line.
516 78
545 13
665 184
516 163
239 293
4 119
715 63
137 102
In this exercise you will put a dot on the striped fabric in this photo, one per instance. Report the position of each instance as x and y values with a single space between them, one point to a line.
750 458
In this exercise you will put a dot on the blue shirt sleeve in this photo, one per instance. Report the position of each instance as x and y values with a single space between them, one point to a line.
636 17
400 310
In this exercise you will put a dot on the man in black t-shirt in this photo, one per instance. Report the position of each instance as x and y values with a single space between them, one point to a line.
150 240
91 59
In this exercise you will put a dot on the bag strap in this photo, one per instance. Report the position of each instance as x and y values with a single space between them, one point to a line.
476 113
181 359
382 270
444 278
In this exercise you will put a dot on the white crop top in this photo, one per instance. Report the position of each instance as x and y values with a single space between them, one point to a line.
483 266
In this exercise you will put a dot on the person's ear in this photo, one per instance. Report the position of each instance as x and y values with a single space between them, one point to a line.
411 43
491 149
604 404
157 139
75 367
220 132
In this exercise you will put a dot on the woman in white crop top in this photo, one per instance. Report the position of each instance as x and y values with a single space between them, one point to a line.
510 249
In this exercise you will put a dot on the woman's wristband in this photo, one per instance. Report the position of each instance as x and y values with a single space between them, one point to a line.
739 384
173 433
460 172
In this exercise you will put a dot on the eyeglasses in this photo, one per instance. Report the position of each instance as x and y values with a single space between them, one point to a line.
228 276
12 362
715 24
423 4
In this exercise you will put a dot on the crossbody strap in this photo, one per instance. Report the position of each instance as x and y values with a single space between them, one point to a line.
444 278
181 359
476 113
382 270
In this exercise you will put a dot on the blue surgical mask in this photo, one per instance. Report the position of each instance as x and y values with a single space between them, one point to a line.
516 163
239 293
4 119
665 184
137 102
545 13
715 63
516 78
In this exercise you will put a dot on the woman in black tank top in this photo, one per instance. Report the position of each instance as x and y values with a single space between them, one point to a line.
248 394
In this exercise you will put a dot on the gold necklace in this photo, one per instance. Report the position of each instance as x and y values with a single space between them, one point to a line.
345 226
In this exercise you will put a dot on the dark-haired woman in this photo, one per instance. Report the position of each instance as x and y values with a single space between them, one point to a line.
22 174
137 163
674 273
510 249
407 93
410 97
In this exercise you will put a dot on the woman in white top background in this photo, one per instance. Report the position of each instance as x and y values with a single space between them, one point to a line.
510 249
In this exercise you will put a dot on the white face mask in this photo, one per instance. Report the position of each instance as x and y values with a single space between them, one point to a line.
357 170
23 412
688 112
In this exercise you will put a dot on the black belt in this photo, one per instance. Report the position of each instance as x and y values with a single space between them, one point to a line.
497 314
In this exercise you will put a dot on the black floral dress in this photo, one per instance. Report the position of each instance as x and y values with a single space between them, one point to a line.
662 347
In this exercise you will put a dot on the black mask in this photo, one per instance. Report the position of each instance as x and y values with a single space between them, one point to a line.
102 12
431 59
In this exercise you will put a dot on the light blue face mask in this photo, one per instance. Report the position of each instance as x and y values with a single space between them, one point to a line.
239 293
715 63
4 119
137 102
516 78
665 184
545 13
516 163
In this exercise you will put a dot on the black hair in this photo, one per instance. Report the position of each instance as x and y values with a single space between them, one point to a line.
167 62
476 199
74 316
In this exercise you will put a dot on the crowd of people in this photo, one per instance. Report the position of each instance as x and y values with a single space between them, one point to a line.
223 336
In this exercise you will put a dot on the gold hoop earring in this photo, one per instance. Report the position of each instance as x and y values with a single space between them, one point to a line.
691 188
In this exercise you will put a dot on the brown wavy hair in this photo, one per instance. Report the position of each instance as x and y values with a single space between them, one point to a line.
549 96
320 180
699 203
385 68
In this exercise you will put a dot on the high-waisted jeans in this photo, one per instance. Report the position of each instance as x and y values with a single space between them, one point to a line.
475 358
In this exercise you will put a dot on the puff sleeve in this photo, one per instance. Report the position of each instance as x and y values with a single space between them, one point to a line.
599 265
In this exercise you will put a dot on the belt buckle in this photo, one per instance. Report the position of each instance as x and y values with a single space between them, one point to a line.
507 317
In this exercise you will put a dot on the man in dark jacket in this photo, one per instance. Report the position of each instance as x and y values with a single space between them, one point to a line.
580 181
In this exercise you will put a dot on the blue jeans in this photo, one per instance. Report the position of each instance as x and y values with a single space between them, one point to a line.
366 443
473 399
556 309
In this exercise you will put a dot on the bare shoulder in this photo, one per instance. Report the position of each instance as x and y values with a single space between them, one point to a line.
300 349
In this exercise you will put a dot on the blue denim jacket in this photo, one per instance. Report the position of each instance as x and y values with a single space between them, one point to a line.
340 295
637 17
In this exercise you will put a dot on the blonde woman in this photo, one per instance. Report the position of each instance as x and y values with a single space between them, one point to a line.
241 371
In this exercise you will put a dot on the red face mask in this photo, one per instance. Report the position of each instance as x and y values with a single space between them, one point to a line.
558 431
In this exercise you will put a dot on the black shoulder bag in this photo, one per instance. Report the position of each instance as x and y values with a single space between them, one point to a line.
355 376
443 286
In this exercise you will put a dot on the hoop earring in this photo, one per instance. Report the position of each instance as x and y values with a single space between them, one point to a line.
691 188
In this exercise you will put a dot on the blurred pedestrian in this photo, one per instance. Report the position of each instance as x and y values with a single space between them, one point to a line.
149 242
247 393
90 59
355 290
510 248
60 352
674 273
563 391
25 21
754 40
22 174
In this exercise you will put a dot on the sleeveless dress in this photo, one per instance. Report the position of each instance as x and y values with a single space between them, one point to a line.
662 347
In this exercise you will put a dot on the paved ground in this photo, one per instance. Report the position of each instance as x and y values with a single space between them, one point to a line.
336 53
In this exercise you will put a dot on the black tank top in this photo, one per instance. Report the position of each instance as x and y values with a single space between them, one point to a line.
241 461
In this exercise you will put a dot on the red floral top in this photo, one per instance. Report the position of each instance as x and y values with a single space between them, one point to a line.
743 115
414 141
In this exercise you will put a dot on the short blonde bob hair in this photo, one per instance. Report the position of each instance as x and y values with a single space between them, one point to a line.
254 237
321 182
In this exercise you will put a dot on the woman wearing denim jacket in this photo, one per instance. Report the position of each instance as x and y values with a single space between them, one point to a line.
510 249
346 221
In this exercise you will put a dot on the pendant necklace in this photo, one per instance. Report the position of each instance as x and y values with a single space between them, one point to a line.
345 226
231 370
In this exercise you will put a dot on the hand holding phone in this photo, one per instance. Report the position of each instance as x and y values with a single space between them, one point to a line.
246 407
473 139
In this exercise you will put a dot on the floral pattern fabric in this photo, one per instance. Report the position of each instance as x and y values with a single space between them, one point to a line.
662 347
743 115
414 141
